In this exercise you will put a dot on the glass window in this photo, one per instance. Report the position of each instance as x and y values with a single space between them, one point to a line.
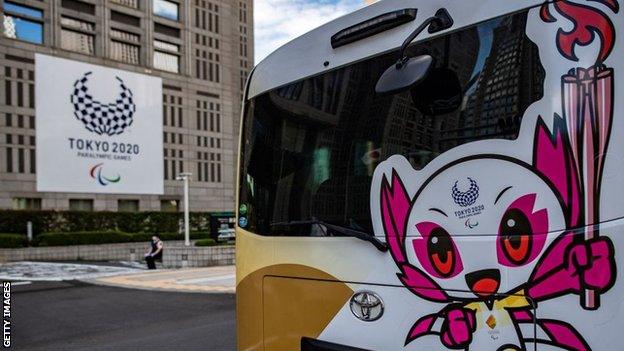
125 52
311 147
25 203
22 22
80 204
77 35
166 56
167 9
123 35
166 30
122 49
77 24
125 19
77 41
163 45
22 10
129 3
79 6
169 205
128 205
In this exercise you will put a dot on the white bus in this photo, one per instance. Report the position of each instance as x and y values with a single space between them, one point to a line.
436 175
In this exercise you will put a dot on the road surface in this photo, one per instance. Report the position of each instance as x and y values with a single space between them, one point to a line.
79 316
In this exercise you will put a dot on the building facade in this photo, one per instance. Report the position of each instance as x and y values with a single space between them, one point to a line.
202 50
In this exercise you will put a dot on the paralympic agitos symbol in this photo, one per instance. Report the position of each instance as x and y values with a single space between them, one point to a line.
96 173
103 118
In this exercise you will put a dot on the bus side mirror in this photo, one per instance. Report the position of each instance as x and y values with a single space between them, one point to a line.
439 93
404 74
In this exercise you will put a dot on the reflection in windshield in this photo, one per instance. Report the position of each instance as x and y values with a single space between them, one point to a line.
310 148
486 37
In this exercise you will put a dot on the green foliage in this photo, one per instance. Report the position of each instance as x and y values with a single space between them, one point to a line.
12 221
81 238
15 221
205 242
105 237
12 240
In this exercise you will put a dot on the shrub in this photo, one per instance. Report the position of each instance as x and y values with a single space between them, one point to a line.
171 236
199 235
12 221
12 240
81 238
205 242
15 221
104 237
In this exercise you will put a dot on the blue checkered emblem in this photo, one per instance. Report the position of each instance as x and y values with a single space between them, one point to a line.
468 197
103 118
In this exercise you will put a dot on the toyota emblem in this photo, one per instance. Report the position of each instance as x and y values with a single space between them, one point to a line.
366 306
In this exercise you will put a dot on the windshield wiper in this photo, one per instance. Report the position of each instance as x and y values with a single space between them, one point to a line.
344 231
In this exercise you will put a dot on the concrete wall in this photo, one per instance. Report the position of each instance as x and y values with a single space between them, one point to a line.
181 256
176 255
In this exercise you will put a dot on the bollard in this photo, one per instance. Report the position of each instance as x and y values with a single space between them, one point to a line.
29 233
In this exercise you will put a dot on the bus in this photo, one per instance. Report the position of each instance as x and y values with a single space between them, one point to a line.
436 175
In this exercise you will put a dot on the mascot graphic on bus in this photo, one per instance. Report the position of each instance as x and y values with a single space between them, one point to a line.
523 247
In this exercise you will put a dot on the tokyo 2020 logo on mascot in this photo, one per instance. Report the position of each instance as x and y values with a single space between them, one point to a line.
489 236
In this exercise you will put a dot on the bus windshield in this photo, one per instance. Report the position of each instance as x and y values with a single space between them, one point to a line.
310 148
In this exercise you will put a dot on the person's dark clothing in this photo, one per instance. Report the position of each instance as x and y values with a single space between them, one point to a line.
151 264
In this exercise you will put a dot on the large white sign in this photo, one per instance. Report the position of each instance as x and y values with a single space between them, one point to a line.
99 130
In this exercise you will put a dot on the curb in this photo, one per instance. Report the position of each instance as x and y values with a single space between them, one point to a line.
213 290
166 280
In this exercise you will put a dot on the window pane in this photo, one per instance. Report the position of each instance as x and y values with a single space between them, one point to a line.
76 41
80 205
166 62
169 205
33 163
124 52
119 34
166 9
22 29
128 205
129 3
78 24
22 203
311 147
166 46
20 160
9 159
22 10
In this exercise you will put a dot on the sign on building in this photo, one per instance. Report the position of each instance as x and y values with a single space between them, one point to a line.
99 130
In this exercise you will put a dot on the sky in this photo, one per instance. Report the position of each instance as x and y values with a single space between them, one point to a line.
278 21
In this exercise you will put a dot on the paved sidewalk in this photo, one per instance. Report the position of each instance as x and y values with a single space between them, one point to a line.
54 271
200 280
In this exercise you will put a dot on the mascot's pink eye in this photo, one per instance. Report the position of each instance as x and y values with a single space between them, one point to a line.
436 251
521 232
516 236
441 251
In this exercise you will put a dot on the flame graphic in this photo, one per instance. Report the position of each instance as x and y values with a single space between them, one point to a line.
587 23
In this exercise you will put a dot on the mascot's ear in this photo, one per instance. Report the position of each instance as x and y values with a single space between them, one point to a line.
552 158
395 205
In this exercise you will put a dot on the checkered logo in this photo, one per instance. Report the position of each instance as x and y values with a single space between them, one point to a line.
468 197
103 119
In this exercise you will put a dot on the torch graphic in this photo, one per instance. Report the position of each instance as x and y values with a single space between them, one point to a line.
588 111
